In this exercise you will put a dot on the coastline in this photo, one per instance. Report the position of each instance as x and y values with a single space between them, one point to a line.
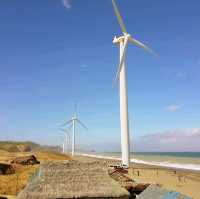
182 180
163 164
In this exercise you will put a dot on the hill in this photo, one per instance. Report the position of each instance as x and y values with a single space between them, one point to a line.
11 146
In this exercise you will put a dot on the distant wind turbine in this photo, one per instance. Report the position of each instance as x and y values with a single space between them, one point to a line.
63 147
121 75
74 121
66 140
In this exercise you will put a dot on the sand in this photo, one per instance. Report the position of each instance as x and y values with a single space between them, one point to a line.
184 181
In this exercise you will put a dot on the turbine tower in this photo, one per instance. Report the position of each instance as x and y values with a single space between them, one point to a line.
121 75
66 142
74 121
63 147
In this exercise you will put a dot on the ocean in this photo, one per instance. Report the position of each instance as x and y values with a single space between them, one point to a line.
179 160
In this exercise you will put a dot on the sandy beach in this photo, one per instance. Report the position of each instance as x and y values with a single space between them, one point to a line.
184 181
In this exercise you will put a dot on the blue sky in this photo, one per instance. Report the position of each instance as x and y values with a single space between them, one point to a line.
54 52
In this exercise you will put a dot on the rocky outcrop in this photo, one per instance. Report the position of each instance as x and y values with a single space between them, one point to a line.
26 160
6 169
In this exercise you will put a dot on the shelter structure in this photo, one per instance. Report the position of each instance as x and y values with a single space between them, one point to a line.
73 179
156 192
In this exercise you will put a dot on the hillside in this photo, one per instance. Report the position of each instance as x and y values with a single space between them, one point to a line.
11 146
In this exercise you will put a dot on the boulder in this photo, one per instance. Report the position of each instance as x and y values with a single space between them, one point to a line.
3 197
6 169
26 160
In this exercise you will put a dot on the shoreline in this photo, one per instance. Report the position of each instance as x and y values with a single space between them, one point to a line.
184 181
166 165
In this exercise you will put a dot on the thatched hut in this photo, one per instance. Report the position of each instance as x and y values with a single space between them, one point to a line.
125 181
72 179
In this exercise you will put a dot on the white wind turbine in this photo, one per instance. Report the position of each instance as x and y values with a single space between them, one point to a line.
74 121
121 75
66 142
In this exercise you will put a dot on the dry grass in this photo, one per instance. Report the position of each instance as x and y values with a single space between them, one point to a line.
46 156
12 184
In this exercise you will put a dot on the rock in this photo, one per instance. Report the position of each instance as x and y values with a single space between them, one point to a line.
6 169
26 160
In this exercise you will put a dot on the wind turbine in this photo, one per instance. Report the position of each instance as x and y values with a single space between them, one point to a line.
74 121
63 145
121 75
66 140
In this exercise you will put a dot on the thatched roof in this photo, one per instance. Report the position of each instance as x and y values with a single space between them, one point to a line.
123 179
72 179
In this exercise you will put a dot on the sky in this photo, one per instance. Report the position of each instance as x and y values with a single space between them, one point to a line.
54 53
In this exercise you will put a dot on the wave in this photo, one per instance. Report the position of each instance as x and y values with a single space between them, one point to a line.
194 167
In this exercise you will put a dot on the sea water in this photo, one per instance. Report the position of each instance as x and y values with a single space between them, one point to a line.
179 160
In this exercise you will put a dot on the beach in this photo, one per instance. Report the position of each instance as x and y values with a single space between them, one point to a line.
182 180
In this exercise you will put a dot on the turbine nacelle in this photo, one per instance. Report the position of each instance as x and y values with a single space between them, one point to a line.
74 118
120 39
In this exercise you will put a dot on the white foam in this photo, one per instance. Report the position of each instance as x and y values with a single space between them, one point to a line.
195 167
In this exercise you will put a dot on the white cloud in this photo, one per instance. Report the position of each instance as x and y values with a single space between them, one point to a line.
172 108
66 4
169 140
173 140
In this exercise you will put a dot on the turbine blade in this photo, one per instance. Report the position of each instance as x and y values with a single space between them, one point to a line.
64 130
121 61
70 127
141 45
119 18
83 125
68 122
